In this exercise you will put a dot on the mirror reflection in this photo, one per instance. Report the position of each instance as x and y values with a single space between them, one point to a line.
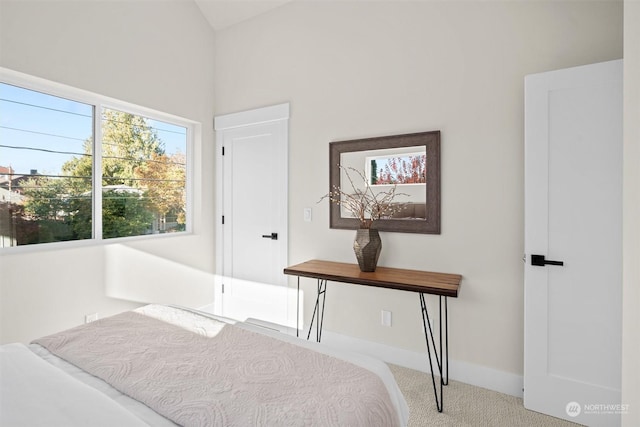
404 167
410 162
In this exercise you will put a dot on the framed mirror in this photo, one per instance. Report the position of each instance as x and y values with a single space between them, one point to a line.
387 161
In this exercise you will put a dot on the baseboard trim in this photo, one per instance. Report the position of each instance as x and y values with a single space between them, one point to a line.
469 373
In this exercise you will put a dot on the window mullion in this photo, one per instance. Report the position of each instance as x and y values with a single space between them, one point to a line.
97 172
189 179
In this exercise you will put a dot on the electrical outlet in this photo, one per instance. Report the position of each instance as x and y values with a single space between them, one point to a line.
386 318
90 318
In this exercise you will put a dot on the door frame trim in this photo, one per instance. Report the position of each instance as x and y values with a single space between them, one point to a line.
251 117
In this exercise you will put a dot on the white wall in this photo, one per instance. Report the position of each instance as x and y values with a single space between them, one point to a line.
155 54
631 290
361 69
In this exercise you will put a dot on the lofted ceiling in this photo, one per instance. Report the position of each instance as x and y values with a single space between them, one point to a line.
224 13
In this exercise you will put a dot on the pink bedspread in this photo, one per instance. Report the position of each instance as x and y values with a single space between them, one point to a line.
237 378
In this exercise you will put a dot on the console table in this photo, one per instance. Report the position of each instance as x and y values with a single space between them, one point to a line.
423 282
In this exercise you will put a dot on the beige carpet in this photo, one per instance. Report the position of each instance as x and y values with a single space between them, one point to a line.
465 405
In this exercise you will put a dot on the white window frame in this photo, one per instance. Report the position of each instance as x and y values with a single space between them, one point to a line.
99 102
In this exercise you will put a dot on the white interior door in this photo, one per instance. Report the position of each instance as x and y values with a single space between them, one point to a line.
252 206
573 214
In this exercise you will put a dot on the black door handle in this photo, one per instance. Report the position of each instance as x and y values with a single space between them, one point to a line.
538 260
272 236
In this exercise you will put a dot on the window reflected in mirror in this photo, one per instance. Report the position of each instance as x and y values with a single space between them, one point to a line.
409 162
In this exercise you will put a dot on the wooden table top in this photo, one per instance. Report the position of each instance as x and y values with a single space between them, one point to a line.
427 282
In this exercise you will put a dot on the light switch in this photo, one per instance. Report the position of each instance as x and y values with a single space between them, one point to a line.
386 318
307 214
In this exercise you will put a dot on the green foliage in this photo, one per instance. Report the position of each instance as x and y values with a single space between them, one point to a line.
127 143
164 178
124 214
81 220
151 186
79 169
46 200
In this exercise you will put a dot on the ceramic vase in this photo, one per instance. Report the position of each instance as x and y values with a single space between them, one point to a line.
367 246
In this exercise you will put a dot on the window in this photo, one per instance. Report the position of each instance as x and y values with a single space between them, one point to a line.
143 175
56 156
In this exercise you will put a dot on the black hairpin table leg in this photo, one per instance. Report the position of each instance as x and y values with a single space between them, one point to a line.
441 359
318 310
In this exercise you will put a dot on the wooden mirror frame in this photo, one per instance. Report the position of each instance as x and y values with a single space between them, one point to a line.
431 141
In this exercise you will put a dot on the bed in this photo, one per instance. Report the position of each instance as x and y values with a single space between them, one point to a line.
165 366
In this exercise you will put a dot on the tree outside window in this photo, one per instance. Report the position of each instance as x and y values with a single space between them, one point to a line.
142 179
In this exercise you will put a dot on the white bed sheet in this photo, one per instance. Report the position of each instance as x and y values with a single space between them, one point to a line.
34 393
140 410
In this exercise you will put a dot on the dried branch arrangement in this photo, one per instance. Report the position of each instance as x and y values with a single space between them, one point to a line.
366 205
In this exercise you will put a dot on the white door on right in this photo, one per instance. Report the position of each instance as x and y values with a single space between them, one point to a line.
573 216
